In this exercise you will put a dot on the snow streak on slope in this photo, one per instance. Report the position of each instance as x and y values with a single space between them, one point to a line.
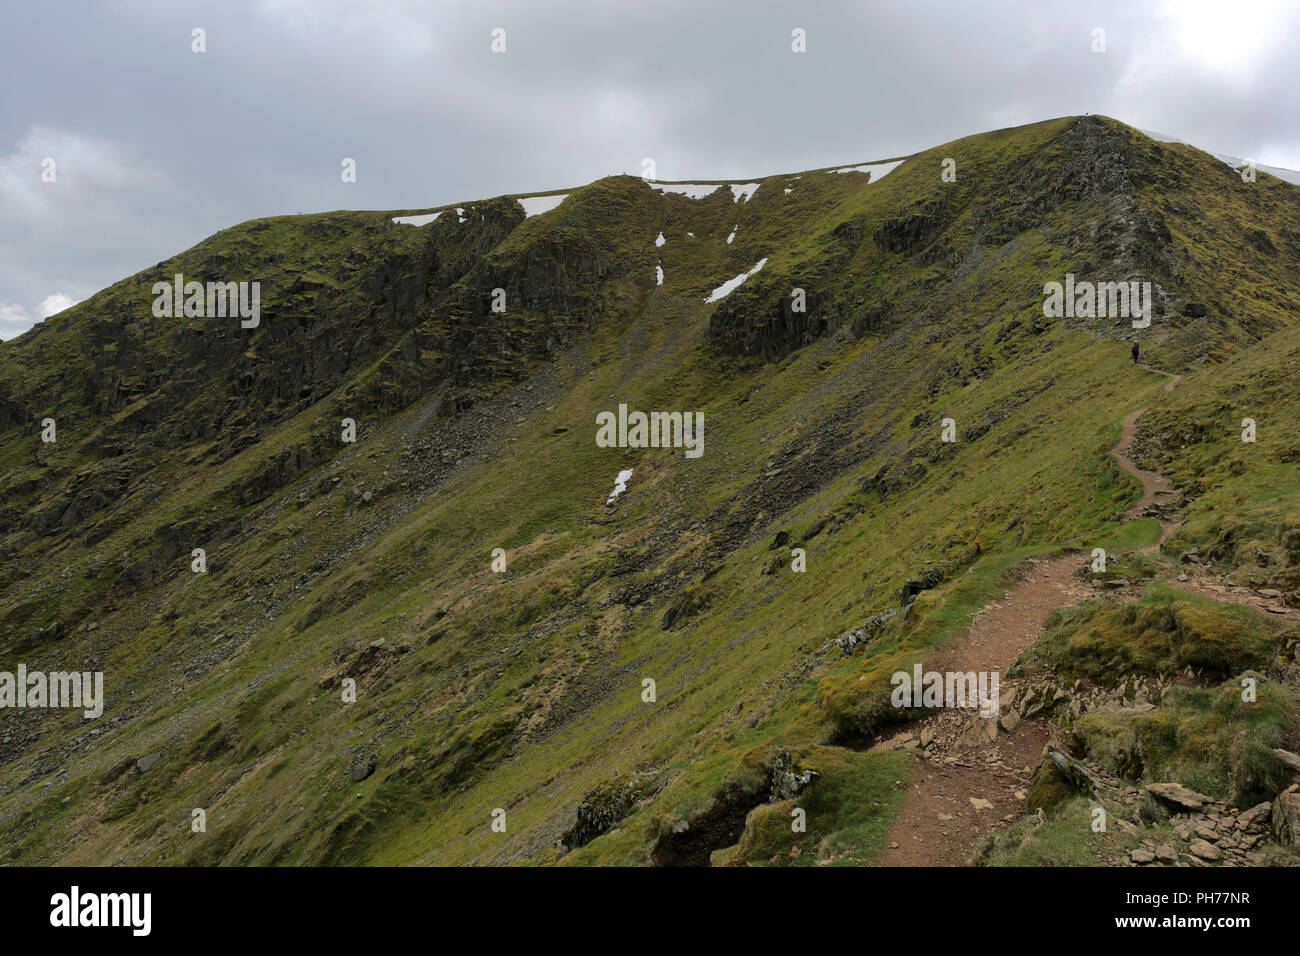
1281 172
700 190
690 190
878 171
536 205
620 485
418 220
731 285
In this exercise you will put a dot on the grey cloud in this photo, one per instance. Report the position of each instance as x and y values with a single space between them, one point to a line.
159 146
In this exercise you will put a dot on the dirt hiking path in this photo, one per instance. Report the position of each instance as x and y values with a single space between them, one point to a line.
964 792
1154 486
974 783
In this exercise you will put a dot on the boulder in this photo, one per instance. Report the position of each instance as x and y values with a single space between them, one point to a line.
600 810
1178 797
146 763
1285 816
1152 812
363 767
814 529
1073 770
978 732
1255 815
788 779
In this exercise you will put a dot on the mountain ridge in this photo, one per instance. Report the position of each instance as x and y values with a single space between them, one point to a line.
521 689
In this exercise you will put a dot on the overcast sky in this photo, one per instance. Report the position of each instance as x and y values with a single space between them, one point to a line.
157 146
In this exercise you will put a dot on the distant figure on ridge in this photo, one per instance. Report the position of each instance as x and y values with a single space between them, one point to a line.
1135 353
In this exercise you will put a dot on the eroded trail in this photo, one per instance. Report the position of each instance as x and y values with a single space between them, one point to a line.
1155 487
969 787
975 779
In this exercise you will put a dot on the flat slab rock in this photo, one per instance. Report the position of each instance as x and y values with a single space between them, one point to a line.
146 763
1205 850
1259 813
1178 796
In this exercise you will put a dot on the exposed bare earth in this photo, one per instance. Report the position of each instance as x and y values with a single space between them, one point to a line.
938 824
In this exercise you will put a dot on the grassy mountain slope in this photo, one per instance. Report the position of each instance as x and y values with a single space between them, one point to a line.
522 690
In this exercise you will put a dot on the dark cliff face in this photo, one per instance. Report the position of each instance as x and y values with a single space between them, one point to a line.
357 312
1077 193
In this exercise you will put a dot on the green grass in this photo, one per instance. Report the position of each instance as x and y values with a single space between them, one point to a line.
1209 739
1068 838
1169 631
522 690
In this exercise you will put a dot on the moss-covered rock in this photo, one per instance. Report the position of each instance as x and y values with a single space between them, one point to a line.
1168 632
1049 789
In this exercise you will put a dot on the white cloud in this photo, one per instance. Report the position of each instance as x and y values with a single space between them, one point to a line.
54 304
16 319
1224 38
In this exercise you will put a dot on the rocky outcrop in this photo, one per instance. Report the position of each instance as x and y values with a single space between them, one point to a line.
601 809
1178 797
1285 816
917 231
847 641
788 779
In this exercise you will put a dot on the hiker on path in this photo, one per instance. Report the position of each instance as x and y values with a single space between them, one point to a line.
1135 353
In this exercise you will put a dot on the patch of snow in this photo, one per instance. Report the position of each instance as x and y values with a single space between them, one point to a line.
660 240
788 190
659 274
733 234
460 214
744 189
877 171
731 285
417 220
691 234
1160 137
1281 172
536 205
691 190
620 485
